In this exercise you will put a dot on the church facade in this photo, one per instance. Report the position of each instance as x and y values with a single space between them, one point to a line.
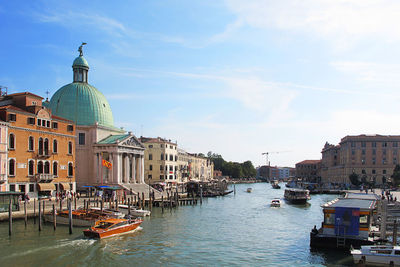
105 154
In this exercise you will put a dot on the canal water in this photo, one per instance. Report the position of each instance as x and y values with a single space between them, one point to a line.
237 230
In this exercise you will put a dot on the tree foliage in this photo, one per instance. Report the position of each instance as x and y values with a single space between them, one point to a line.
233 169
354 179
396 175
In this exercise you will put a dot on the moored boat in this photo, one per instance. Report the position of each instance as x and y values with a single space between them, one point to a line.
377 255
134 211
111 227
275 185
249 190
276 202
297 195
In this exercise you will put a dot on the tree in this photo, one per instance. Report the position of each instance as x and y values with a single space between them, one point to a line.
396 175
354 179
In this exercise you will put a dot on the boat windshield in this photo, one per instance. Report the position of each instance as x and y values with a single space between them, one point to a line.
103 225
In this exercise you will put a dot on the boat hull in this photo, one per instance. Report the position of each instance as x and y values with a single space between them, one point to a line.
297 201
65 221
386 260
112 232
323 241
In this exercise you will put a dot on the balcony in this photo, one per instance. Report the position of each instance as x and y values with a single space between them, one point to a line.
43 154
44 177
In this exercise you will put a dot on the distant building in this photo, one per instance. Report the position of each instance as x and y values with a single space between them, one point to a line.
200 168
286 172
161 160
371 157
268 172
309 170
3 155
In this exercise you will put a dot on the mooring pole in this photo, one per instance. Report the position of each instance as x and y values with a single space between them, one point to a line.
34 211
54 217
40 216
70 217
25 214
10 218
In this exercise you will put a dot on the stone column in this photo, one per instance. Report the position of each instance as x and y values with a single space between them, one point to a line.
114 170
142 169
126 169
119 169
133 166
98 166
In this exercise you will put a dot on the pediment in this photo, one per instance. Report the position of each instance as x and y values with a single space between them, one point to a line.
131 141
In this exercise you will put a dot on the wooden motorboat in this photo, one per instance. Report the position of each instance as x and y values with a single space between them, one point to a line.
377 255
112 227
276 202
275 185
82 217
134 211
297 195
249 190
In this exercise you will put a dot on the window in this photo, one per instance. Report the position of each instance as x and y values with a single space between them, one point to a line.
162 156
47 167
31 144
55 146
70 128
353 152
81 138
39 122
384 152
363 152
171 147
43 123
384 161
46 146
31 187
161 177
31 121
151 167
363 144
373 144
11 141
11 167
40 146
55 168
171 168
353 144
395 144
55 125
31 167
363 171
149 177
329 219
363 161
150 146
12 187
373 151
70 170
384 144
40 167
150 156
171 157
70 148
373 161
166 156
373 171
161 168
12 117
161 145
384 172
176 158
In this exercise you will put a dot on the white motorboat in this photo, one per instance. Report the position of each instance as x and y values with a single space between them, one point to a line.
134 212
249 190
276 202
377 255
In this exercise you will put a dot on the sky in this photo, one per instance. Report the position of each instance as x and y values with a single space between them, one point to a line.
234 77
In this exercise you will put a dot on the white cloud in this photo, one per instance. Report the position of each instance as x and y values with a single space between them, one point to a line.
340 21
370 72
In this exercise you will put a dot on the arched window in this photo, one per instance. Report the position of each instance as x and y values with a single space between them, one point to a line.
47 167
55 148
40 146
40 167
31 144
70 169
69 147
11 167
31 166
55 168
11 141
46 146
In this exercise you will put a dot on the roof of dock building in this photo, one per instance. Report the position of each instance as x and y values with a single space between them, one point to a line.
365 204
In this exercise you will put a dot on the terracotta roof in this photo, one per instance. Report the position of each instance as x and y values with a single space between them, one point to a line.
25 93
309 161
155 140
14 108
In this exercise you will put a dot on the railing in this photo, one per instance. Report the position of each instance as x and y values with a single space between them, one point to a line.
45 177
43 153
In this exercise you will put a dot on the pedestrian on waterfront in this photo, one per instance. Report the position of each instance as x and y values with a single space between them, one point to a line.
395 199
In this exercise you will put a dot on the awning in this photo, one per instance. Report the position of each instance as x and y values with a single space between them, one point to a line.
46 186
64 186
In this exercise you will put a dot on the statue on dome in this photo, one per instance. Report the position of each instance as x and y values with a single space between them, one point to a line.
80 49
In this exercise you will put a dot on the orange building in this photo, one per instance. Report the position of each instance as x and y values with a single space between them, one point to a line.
41 147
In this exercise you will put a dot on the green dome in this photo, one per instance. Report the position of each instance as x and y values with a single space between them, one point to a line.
83 104
80 61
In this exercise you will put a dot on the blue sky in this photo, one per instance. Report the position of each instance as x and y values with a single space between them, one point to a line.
234 77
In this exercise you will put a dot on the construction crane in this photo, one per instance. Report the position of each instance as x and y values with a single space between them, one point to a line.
272 152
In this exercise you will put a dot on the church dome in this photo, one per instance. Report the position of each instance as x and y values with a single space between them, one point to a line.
81 102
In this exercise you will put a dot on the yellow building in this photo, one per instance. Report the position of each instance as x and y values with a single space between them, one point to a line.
161 160
200 168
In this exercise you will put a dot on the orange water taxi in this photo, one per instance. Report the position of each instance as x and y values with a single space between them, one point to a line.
111 227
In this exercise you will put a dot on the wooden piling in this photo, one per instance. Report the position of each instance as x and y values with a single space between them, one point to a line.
116 203
54 217
143 200
60 205
395 232
34 211
234 189
44 206
129 207
84 205
162 203
40 216
138 203
201 195
75 202
25 214
70 217
102 205
10 217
